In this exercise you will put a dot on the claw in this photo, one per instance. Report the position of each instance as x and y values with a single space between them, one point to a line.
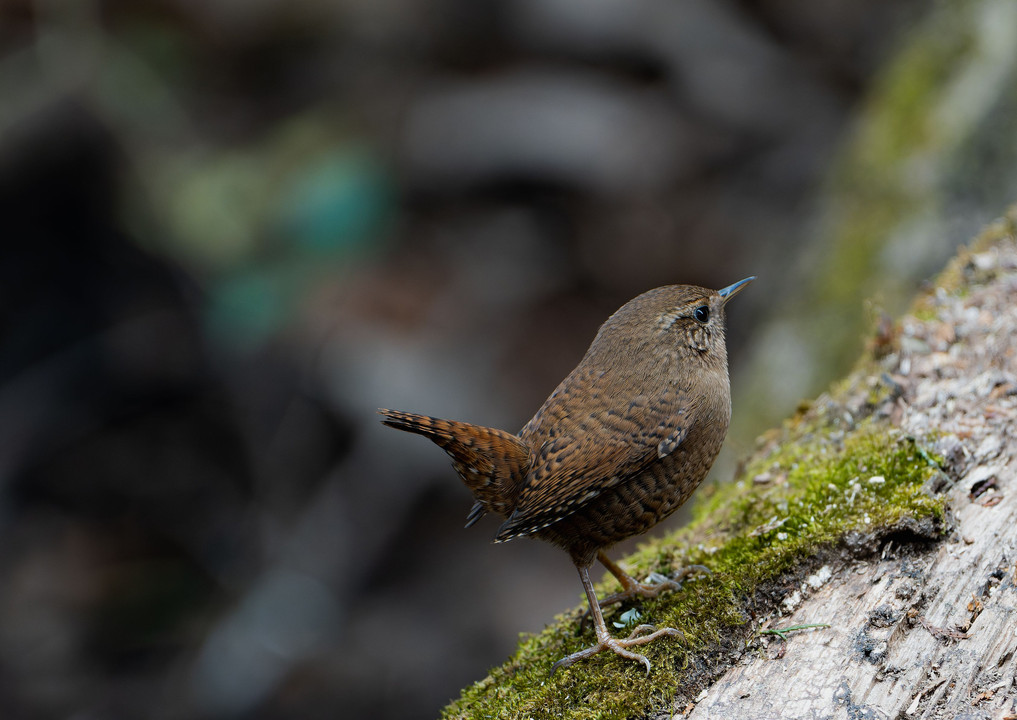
619 647
632 588
642 629
641 635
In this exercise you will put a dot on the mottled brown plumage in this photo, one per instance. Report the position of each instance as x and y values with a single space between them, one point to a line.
620 444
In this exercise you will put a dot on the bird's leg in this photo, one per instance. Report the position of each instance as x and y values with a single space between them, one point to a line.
632 588
640 636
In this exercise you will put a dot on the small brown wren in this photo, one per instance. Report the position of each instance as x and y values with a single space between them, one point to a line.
620 444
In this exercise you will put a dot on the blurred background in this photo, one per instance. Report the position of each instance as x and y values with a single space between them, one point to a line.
232 229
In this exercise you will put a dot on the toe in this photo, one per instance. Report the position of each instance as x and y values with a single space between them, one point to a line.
618 646
642 630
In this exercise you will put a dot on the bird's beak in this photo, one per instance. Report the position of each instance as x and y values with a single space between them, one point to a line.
731 290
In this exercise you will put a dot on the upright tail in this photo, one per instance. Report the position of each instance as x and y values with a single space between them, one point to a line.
491 462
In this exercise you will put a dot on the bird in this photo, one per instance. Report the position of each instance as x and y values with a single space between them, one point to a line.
621 443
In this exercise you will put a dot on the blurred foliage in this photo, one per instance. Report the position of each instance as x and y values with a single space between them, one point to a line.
913 180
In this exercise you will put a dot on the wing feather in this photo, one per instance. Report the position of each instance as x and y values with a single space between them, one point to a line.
583 457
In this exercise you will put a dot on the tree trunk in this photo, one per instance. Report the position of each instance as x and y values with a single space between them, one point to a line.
830 524
930 634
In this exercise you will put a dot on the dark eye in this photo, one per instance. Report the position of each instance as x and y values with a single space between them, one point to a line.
702 314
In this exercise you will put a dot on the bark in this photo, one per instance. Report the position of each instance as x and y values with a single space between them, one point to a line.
918 632
921 623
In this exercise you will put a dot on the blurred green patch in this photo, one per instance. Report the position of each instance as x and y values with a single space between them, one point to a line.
266 224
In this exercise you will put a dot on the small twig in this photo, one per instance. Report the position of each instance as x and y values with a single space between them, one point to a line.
941 633
782 632
929 460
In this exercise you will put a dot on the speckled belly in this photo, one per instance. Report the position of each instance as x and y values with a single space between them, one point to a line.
636 505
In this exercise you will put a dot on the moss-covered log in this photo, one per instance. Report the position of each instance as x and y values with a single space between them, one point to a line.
885 509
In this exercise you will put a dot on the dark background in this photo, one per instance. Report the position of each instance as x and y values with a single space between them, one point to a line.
232 230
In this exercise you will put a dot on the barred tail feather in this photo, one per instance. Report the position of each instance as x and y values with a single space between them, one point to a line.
492 463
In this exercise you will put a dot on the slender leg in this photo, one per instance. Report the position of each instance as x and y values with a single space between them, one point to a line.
632 588
640 636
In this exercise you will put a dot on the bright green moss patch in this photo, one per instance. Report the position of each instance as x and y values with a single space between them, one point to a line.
825 484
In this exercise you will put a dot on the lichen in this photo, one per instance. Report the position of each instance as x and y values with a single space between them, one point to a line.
825 479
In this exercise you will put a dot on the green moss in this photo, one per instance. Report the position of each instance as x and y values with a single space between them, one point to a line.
873 181
819 491
834 476
883 188
899 121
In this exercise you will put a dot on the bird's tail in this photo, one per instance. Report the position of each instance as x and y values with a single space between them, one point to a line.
491 462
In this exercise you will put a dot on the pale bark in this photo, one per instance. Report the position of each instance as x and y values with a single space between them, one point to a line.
919 631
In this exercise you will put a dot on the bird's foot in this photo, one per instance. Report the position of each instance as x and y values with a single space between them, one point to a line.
640 636
632 588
